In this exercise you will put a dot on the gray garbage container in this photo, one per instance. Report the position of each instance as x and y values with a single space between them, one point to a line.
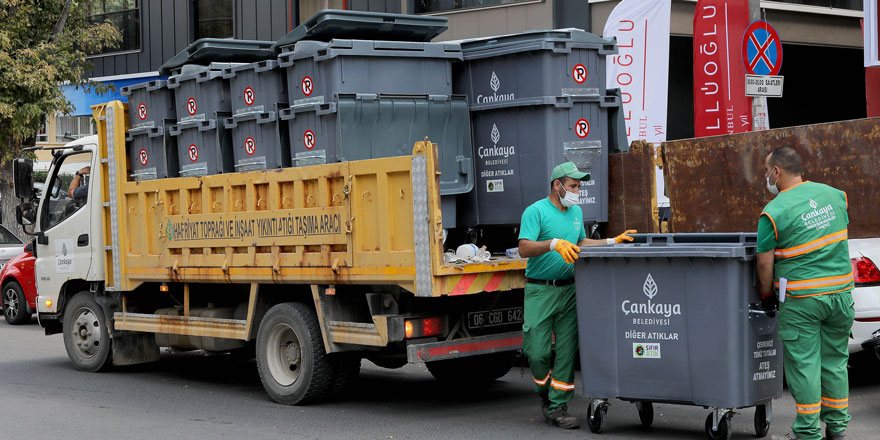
256 87
152 152
203 147
675 318
199 92
316 71
518 143
259 142
149 103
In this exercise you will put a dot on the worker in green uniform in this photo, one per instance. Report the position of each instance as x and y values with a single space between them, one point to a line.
803 252
549 230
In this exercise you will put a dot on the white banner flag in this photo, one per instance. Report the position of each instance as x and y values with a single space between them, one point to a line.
872 33
641 69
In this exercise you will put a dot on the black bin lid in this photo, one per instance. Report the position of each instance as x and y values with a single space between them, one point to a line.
209 50
355 25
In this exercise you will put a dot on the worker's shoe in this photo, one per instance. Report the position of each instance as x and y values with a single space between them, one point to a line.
559 417
791 436
545 407
838 436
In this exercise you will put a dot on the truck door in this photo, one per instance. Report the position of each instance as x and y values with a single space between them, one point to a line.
64 218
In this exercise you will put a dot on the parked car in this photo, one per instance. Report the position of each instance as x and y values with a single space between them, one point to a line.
10 245
865 257
18 288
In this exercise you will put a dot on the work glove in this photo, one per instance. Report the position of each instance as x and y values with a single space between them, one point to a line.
770 304
565 248
622 237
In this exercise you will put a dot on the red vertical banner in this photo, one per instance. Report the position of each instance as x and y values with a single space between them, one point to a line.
720 102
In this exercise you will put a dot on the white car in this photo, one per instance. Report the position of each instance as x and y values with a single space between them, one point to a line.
865 257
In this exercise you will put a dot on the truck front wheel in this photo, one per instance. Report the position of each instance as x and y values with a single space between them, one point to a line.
291 360
86 336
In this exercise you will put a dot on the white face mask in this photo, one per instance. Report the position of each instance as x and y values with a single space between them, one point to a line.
772 188
570 199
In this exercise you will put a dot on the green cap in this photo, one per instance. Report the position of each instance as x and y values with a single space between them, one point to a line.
568 169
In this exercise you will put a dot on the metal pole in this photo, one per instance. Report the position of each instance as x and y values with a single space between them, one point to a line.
760 115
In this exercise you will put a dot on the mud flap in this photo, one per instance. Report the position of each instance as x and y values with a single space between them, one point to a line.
134 348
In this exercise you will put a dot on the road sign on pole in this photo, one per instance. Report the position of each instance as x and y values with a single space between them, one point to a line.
764 85
762 49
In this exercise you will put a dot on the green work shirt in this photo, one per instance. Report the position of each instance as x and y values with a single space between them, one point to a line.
806 228
543 221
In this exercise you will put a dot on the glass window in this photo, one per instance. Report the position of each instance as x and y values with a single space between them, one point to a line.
427 6
69 190
69 128
7 237
838 4
308 8
213 19
42 134
125 15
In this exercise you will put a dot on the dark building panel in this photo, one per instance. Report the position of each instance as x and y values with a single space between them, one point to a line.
131 63
263 20
278 19
168 29
247 20
153 46
182 25
391 6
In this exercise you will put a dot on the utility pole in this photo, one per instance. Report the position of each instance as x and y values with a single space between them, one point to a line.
760 115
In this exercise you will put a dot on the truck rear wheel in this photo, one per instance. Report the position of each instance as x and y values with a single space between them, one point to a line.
473 369
86 336
291 360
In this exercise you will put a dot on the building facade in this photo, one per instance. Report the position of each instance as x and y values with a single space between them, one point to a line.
824 74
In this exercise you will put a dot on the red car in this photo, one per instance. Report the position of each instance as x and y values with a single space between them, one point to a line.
18 287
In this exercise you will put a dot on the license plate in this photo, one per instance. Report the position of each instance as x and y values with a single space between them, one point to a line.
495 318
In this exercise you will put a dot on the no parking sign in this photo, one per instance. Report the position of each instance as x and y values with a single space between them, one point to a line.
762 57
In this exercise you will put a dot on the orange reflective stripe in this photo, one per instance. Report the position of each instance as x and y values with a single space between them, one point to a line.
818 282
835 403
835 400
543 382
812 245
846 199
818 294
808 409
562 385
775 231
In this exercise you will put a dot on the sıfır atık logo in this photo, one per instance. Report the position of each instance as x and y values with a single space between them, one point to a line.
495 85
495 150
813 204
650 289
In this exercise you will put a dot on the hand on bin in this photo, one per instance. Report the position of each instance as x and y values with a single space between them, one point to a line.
770 304
625 236
565 248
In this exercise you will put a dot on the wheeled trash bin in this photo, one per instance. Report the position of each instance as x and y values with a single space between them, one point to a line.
676 318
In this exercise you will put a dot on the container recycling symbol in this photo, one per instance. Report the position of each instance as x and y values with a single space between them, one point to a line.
309 139
579 73
143 158
249 96
582 128
650 287
250 147
496 135
494 82
193 152
142 111
191 106
307 86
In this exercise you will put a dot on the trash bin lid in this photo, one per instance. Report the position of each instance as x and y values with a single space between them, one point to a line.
534 40
208 50
718 245
355 25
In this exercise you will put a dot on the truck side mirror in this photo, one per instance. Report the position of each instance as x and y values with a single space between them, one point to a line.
23 178
25 214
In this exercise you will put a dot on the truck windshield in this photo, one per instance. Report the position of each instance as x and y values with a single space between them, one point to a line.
68 189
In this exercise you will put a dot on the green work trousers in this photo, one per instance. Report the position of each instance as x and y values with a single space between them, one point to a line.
551 311
814 333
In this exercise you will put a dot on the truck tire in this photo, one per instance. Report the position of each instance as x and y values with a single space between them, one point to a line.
86 336
15 304
473 369
291 360
346 369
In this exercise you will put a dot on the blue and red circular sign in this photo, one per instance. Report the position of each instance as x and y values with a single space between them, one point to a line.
762 49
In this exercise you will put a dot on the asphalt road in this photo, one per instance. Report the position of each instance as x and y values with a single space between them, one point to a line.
189 396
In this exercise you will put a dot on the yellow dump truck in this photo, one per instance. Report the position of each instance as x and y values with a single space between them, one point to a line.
309 268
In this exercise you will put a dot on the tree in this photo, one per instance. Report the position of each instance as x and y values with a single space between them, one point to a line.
44 44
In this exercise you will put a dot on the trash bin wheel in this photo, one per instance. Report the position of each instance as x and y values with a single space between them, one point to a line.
724 430
646 413
762 425
597 421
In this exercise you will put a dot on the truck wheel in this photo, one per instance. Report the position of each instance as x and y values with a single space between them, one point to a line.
15 304
291 360
346 369
86 336
473 369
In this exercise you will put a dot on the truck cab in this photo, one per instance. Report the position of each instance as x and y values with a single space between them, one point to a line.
65 223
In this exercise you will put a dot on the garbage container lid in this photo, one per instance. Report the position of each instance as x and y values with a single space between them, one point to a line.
714 245
564 35
355 25
208 50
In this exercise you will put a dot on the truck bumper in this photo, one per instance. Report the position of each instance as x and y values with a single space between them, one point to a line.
438 351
